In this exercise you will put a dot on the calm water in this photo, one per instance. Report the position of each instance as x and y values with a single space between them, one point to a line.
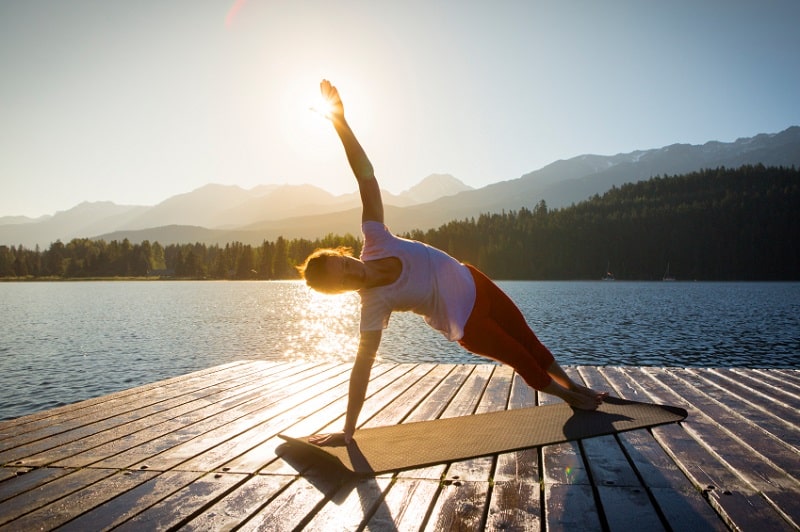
64 342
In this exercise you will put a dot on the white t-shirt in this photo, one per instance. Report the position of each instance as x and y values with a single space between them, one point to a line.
432 284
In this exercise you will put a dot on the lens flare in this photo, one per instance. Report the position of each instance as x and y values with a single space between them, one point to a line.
233 11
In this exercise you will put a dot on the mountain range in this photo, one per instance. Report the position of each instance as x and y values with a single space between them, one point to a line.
217 214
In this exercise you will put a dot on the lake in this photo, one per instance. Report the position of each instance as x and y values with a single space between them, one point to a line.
62 342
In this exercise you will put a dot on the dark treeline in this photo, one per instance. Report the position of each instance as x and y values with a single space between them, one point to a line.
86 258
723 224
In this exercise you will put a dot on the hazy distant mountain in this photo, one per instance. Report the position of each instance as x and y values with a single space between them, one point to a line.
563 183
560 184
202 207
83 220
209 210
14 220
221 214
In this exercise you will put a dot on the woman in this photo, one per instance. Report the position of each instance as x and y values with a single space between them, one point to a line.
405 275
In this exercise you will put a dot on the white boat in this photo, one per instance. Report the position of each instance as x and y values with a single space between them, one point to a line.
667 276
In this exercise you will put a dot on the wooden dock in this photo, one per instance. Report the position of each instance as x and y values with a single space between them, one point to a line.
200 452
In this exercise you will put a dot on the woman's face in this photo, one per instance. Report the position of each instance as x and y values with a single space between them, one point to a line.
345 273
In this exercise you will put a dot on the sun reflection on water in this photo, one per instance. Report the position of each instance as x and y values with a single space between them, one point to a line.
326 328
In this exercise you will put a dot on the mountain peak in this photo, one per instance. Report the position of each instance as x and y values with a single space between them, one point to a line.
435 186
302 211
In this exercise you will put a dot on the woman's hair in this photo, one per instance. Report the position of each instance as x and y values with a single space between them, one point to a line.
313 269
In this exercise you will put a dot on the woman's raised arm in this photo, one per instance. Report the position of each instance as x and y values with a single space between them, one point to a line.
371 201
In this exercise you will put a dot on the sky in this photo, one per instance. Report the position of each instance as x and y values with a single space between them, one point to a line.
134 102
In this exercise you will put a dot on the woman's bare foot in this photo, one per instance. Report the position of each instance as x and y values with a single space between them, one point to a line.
576 399
588 392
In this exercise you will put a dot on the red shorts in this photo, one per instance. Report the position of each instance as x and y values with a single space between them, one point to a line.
497 329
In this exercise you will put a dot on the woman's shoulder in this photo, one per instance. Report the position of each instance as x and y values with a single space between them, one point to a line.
376 232
372 226
379 242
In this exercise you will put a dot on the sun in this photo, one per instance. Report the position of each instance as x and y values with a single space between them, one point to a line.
322 106
299 116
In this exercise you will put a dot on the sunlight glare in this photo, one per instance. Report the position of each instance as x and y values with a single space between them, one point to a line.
327 329
321 106
298 116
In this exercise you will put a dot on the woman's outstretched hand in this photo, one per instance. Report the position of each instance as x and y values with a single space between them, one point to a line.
329 93
331 440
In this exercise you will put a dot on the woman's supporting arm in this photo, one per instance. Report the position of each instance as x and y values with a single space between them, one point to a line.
359 381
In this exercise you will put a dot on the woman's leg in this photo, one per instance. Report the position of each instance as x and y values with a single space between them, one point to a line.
487 338
497 329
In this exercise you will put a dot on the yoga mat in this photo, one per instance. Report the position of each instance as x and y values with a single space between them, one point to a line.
419 444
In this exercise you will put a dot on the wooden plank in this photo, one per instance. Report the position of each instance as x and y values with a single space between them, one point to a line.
422 484
111 442
114 436
61 418
515 505
464 500
56 513
131 503
369 492
10 472
571 507
672 498
355 502
327 503
253 434
32 448
435 402
218 444
747 462
623 497
762 408
310 418
738 504
519 465
237 506
768 414
681 504
27 479
292 507
516 498
460 505
399 410
569 499
494 398
732 462
131 392
198 424
405 505
786 380
29 501
780 398
777 439
407 500
173 510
